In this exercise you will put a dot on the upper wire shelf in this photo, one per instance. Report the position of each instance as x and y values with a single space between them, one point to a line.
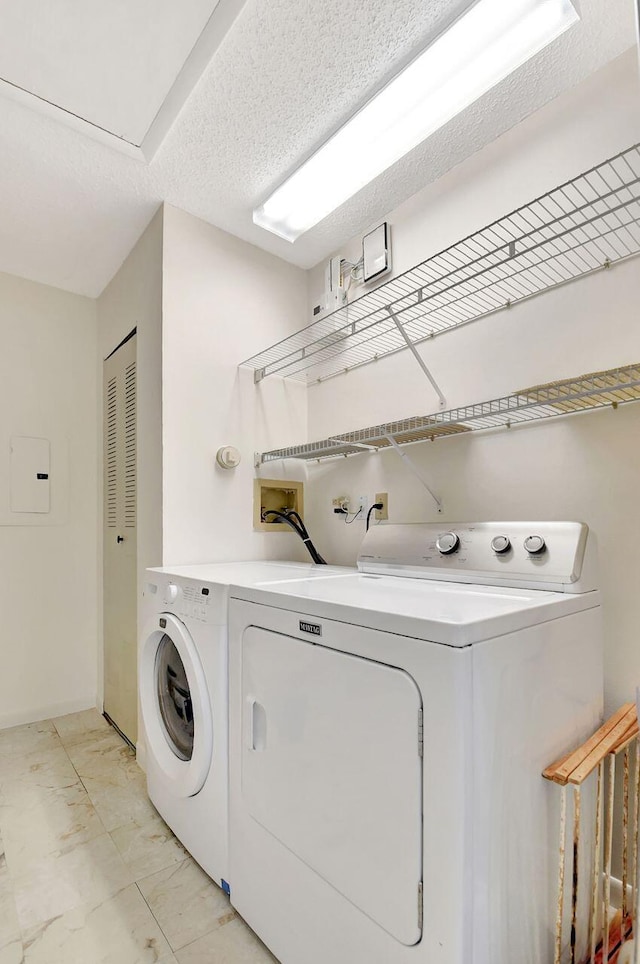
585 393
589 223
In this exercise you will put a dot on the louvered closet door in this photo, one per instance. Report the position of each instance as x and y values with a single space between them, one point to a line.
120 592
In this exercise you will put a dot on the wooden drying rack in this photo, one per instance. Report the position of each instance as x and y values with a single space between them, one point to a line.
612 737
615 736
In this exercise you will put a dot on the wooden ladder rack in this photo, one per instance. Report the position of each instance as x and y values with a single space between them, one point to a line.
599 753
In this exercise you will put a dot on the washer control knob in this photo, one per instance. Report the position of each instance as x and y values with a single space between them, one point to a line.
447 542
535 545
172 592
501 544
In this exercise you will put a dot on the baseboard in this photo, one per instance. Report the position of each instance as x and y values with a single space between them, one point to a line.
46 712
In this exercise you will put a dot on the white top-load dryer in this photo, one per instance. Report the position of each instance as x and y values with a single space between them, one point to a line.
387 736
183 685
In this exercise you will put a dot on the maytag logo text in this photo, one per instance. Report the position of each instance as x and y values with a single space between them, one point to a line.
314 628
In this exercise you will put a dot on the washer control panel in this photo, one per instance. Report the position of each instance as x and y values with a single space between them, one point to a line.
533 554
187 598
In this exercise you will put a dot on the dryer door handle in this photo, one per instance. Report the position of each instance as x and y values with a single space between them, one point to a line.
257 725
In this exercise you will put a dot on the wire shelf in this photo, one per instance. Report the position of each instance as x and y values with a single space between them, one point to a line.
589 223
585 393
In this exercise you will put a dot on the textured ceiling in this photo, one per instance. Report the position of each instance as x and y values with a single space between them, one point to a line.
288 73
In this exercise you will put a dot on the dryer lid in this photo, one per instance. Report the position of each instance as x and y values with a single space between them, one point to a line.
439 612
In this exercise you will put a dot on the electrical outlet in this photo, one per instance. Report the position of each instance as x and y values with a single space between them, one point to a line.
382 513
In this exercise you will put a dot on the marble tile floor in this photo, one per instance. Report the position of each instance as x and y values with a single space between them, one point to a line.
89 873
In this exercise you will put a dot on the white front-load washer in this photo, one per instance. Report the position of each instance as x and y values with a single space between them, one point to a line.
387 736
183 685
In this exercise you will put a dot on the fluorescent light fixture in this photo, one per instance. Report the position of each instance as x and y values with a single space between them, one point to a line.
480 49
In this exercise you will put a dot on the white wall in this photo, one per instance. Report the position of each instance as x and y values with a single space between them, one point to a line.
48 573
223 300
583 468
133 299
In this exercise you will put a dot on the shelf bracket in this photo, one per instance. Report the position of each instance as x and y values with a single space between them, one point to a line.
414 468
442 402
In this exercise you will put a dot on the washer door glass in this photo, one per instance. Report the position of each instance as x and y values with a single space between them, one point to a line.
174 698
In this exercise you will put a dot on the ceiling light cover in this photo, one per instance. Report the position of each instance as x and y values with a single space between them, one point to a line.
480 49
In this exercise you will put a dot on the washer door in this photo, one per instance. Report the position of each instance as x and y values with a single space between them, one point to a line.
175 706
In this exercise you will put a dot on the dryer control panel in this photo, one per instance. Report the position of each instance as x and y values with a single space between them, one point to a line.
545 555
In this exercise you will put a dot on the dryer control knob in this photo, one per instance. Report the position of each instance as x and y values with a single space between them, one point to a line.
535 545
172 592
447 542
501 544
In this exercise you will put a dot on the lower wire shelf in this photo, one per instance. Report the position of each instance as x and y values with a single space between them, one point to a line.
584 393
